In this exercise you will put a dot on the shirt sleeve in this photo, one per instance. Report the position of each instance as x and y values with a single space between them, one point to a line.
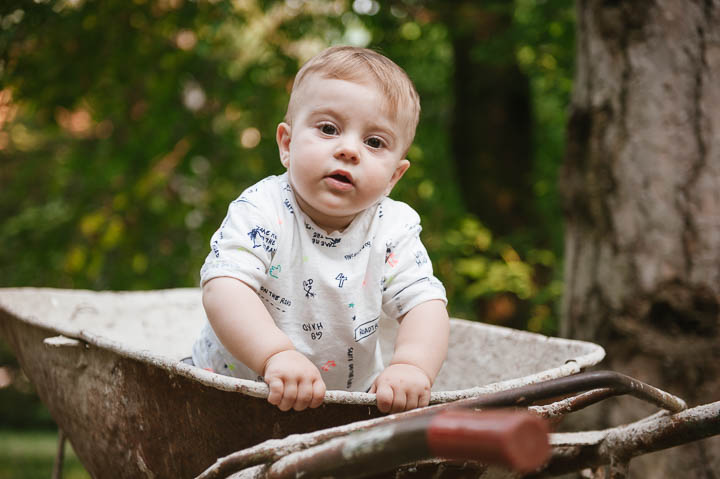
408 273
244 245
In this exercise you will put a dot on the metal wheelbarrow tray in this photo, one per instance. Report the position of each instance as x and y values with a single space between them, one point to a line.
108 366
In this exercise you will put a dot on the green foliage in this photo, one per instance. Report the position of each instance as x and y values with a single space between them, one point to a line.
31 455
129 126
544 49
126 128
22 408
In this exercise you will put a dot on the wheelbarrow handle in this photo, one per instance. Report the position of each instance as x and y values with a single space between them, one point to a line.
517 440
611 382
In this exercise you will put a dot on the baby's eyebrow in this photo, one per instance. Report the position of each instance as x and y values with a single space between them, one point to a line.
325 111
386 131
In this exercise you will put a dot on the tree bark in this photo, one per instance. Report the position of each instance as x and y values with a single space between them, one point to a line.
641 186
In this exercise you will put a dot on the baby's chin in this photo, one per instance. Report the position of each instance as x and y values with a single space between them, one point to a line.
335 223
333 219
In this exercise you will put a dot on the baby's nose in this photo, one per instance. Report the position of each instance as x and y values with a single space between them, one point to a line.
347 150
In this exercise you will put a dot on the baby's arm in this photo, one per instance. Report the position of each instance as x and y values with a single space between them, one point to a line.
420 350
246 329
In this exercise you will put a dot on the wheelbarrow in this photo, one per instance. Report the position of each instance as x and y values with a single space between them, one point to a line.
108 365
450 441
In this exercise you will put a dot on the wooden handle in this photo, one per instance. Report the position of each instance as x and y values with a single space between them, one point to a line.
513 439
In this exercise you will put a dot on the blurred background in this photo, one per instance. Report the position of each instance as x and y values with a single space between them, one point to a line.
126 128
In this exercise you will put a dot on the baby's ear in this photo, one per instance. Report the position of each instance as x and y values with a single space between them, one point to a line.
400 170
283 140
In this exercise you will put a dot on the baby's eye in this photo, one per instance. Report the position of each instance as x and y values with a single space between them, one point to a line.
374 142
328 129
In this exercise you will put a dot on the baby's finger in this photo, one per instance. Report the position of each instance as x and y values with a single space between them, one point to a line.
411 401
304 396
276 391
424 398
318 393
399 401
384 396
289 396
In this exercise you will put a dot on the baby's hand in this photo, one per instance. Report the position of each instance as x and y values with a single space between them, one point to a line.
294 381
401 387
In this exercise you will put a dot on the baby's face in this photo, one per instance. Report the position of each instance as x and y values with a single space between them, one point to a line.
344 150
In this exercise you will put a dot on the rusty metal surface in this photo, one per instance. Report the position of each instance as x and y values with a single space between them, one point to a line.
175 428
606 384
373 451
130 418
572 404
513 439
134 419
160 326
615 446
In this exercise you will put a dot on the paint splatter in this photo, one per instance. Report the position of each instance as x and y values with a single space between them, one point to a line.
391 260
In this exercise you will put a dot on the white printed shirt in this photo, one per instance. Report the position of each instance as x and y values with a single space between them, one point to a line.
325 291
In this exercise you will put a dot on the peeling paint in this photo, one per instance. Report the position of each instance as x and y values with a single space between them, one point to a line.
368 442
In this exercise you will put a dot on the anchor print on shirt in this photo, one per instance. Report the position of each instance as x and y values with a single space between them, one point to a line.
307 286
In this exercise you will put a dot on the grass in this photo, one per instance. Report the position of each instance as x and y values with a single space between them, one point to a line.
31 454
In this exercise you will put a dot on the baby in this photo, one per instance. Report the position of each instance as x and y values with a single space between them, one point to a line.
305 263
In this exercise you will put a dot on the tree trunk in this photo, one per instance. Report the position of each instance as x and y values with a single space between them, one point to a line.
641 184
491 132
492 136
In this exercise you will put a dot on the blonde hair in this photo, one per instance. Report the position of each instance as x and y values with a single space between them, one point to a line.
360 64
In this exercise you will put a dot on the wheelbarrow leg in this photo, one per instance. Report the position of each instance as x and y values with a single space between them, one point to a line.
619 467
593 473
60 456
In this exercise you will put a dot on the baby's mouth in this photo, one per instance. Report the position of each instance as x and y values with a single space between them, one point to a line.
342 177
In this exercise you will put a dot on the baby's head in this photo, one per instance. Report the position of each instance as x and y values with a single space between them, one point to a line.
361 65
350 121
